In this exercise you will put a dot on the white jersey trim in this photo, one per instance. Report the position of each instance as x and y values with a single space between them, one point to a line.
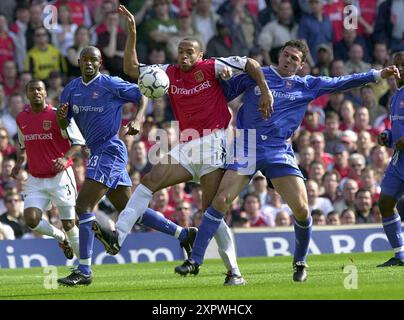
237 64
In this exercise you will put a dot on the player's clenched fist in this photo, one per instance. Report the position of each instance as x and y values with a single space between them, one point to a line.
62 110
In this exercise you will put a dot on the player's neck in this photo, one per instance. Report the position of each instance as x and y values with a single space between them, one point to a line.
87 79
36 108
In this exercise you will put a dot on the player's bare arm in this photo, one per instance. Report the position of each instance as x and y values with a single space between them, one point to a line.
134 126
60 164
266 100
130 61
22 157
61 114
390 71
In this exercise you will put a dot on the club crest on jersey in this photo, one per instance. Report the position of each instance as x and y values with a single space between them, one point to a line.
199 76
95 95
257 90
402 104
288 84
47 124
76 109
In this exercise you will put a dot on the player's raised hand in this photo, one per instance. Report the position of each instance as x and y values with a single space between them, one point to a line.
62 110
59 164
390 71
129 17
15 171
133 127
266 104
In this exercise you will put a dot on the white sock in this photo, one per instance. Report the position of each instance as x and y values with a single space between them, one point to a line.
226 247
136 206
45 228
178 232
73 236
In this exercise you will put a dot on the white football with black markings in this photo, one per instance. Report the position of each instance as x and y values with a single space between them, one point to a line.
153 82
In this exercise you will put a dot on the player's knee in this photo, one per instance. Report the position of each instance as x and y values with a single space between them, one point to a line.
151 182
221 202
301 212
82 208
68 224
31 220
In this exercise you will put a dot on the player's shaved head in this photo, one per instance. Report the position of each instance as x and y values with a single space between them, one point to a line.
90 51
194 41
36 82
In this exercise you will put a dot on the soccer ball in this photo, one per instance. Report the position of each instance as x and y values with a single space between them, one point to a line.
153 82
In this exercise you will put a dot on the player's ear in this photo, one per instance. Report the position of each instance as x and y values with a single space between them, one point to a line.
302 65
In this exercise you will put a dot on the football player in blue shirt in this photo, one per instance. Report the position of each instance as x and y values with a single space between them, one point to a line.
393 181
271 153
95 102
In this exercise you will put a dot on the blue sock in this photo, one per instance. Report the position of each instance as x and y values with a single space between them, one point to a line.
207 229
392 228
157 221
302 239
86 241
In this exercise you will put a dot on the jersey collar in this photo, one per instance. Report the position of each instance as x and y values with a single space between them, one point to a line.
276 72
91 81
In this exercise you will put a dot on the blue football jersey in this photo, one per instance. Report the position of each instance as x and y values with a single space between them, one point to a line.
397 116
96 106
291 98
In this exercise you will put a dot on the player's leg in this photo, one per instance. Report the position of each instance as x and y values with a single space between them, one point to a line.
161 176
67 215
230 186
297 201
153 219
392 189
227 251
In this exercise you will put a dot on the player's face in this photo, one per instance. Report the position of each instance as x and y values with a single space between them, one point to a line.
188 54
290 61
90 63
399 63
36 93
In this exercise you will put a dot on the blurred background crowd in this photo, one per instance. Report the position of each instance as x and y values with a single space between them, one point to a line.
335 146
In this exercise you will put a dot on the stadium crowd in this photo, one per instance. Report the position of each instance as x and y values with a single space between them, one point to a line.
336 145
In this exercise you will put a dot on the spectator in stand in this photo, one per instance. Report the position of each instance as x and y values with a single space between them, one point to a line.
260 187
363 205
343 47
15 106
381 54
369 101
348 216
306 157
183 214
318 217
112 45
275 205
369 182
356 63
312 122
204 20
316 173
3 100
44 58
282 219
341 164
80 14
324 58
375 214
160 28
63 33
7 47
379 160
349 189
185 29
6 147
18 29
318 144
303 139
315 28
23 80
390 29
55 87
349 138
347 113
330 181
384 100
316 202
365 144
333 219
159 203
356 163
362 121
276 33
223 43
257 217
138 158
35 21
13 216
10 78
6 232
337 68
331 132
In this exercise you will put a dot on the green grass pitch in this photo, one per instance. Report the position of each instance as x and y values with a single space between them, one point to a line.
267 278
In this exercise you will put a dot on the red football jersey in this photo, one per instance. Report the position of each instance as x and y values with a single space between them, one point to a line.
43 140
196 96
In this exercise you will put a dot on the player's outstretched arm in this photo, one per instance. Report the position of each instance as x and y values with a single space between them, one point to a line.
21 158
134 126
266 100
130 62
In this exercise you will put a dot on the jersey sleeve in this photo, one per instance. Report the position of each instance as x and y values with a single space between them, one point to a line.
20 138
125 90
323 85
237 64
72 132
235 86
